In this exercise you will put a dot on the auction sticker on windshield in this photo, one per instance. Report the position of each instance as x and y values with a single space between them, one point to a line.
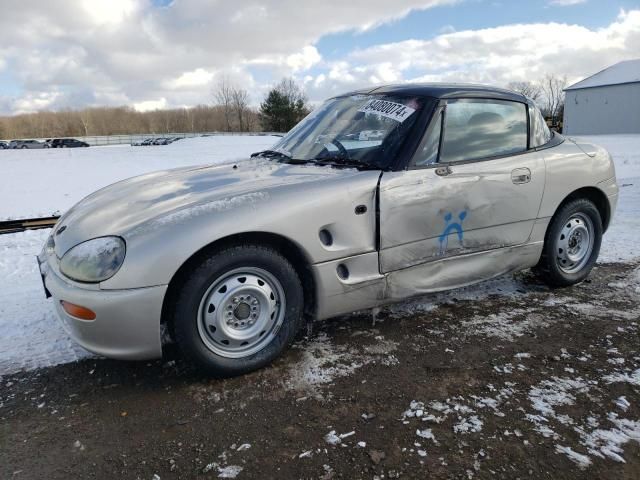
385 108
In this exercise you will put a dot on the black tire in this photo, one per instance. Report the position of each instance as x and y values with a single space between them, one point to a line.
185 312
550 268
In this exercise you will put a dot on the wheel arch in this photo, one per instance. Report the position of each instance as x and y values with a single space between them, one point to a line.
289 249
598 198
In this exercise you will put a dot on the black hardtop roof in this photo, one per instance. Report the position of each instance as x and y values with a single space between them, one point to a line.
445 90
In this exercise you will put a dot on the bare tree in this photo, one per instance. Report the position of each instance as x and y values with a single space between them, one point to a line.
553 101
223 96
234 102
528 89
85 120
291 90
190 119
240 104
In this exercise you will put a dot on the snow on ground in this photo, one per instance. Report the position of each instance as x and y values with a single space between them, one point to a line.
31 335
549 404
42 183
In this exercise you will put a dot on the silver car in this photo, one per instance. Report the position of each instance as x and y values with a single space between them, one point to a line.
24 144
464 183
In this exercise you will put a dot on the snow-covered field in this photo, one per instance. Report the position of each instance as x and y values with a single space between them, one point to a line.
31 337
42 183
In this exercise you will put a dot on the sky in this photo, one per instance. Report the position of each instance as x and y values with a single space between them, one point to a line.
149 54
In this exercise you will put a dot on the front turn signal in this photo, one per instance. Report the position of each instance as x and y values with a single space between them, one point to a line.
78 311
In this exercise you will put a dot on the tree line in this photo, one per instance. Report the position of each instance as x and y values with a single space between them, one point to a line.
229 111
283 106
112 121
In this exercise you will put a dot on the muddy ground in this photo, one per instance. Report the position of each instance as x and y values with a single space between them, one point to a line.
526 384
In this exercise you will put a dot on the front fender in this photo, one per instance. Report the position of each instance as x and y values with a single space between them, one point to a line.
156 249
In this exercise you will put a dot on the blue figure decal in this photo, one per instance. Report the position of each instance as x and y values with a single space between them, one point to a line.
451 227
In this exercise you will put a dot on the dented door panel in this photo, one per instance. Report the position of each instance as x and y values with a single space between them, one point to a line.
460 271
477 206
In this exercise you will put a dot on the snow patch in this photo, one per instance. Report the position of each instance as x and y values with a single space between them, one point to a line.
321 363
555 392
608 442
36 339
632 378
579 459
505 325
468 425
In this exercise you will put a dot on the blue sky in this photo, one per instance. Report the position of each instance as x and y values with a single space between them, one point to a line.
474 15
172 53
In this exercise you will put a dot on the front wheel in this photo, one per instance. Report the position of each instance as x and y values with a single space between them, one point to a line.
238 310
572 244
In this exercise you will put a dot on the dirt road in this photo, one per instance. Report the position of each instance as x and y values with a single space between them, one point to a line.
531 384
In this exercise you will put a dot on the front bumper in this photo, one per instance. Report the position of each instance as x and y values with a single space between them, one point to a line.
127 323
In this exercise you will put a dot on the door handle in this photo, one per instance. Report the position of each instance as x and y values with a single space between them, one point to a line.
520 176
444 171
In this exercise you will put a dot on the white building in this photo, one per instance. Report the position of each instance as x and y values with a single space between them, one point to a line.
607 102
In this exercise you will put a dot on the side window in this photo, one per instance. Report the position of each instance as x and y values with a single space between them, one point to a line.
428 150
540 134
475 129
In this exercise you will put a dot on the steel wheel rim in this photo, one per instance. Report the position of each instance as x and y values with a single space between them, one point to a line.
241 312
575 243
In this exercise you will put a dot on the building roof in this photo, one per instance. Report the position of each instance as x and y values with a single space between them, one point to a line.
445 90
622 72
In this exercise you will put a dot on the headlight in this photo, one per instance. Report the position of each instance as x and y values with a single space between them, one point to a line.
94 260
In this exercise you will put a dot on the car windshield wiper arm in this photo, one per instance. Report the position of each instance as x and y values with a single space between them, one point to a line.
343 161
272 153
282 156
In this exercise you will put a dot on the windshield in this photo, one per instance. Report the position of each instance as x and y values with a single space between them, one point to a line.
358 130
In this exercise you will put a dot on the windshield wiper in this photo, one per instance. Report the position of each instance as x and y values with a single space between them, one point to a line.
272 153
346 162
282 156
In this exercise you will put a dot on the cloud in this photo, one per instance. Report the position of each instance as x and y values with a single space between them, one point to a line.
76 53
194 78
109 12
493 55
148 105
140 52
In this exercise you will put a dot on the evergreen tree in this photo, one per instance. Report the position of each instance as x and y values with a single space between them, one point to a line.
284 106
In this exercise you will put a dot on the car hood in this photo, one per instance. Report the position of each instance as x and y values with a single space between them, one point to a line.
127 205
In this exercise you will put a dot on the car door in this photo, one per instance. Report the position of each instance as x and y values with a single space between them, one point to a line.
473 187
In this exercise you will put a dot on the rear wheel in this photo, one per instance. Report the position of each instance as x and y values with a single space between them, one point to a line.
238 310
572 244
